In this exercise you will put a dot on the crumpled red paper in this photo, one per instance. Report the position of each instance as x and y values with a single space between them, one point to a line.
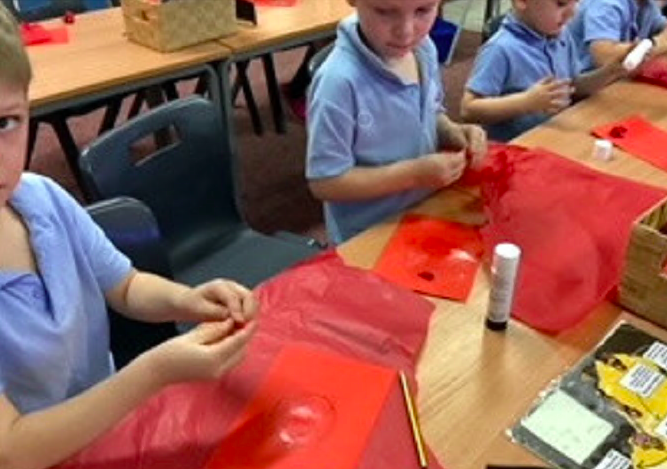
321 303
654 72
572 224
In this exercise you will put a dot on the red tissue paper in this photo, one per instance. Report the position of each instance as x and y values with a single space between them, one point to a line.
321 304
572 224
638 137
34 34
432 256
654 72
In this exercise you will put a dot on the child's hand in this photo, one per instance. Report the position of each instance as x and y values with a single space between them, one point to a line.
549 95
217 300
437 170
476 144
206 352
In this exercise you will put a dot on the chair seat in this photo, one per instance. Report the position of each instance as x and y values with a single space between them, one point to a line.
247 256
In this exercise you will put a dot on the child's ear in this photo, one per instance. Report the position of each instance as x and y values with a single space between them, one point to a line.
520 5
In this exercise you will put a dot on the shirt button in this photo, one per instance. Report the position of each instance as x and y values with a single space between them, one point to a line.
37 293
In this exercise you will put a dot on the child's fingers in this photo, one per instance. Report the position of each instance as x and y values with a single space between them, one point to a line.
211 332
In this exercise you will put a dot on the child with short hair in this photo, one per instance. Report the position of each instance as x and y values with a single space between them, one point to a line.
605 30
377 128
529 70
58 387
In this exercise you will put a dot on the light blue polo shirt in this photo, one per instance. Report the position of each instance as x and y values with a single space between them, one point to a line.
514 59
362 114
613 20
54 333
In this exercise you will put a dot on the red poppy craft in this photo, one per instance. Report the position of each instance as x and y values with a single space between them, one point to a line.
34 34
638 137
432 256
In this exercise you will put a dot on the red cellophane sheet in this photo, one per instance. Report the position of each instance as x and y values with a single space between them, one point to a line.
432 256
35 34
638 137
572 224
654 72
321 304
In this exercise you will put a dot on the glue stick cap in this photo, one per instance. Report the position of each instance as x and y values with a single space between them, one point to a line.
602 149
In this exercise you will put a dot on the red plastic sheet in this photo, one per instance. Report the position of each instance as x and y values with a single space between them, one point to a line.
572 224
654 72
638 137
310 405
320 304
432 256
34 34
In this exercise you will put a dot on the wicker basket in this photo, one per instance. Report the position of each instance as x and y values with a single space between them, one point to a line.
168 26
643 287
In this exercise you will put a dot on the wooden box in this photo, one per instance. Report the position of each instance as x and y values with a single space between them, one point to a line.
643 288
172 25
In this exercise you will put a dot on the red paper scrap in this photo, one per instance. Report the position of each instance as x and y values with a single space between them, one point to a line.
34 34
432 256
638 137
313 406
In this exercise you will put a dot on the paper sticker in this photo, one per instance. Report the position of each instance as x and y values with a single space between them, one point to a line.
613 460
642 380
658 353
661 429
567 426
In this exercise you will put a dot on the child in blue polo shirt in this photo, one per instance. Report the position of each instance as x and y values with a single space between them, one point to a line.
529 70
58 387
606 29
376 123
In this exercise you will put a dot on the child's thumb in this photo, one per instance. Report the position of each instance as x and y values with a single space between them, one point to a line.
210 332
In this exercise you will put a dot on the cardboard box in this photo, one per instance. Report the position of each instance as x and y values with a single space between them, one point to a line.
643 288
176 24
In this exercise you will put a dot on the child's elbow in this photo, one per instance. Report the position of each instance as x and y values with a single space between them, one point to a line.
319 189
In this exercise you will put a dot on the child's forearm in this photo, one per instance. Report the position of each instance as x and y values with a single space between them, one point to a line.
41 439
491 110
606 52
149 298
588 83
362 183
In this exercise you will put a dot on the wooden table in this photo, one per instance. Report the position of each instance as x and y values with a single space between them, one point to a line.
99 62
476 383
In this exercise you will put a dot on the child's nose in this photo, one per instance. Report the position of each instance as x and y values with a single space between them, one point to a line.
404 29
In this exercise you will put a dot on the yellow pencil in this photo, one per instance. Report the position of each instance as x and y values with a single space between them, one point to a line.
414 422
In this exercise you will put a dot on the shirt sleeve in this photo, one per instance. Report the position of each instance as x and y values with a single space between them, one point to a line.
108 264
604 21
330 128
489 72
658 20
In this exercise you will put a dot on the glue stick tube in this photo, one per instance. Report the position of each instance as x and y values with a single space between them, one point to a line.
636 55
504 269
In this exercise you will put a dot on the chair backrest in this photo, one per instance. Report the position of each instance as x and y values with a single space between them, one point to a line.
31 10
188 184
491 26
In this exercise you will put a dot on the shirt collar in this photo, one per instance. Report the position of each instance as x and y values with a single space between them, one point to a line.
520 29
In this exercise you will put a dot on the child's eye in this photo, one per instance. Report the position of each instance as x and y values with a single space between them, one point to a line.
382 11
423 11
8 123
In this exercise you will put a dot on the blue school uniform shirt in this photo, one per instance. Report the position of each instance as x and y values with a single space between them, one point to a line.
362 114
514 59
613 20
54 333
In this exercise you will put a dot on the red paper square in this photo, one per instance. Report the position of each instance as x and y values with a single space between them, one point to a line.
638 137
432 256
314 408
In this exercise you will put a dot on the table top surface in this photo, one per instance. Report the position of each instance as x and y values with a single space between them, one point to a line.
98 56
475 383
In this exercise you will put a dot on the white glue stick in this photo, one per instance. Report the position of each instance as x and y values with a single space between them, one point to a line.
504 269
602 150
636 55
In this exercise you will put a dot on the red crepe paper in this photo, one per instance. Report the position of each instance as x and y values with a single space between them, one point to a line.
321 304
432 256
311 404
638 137
34 34
654 72
572 224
